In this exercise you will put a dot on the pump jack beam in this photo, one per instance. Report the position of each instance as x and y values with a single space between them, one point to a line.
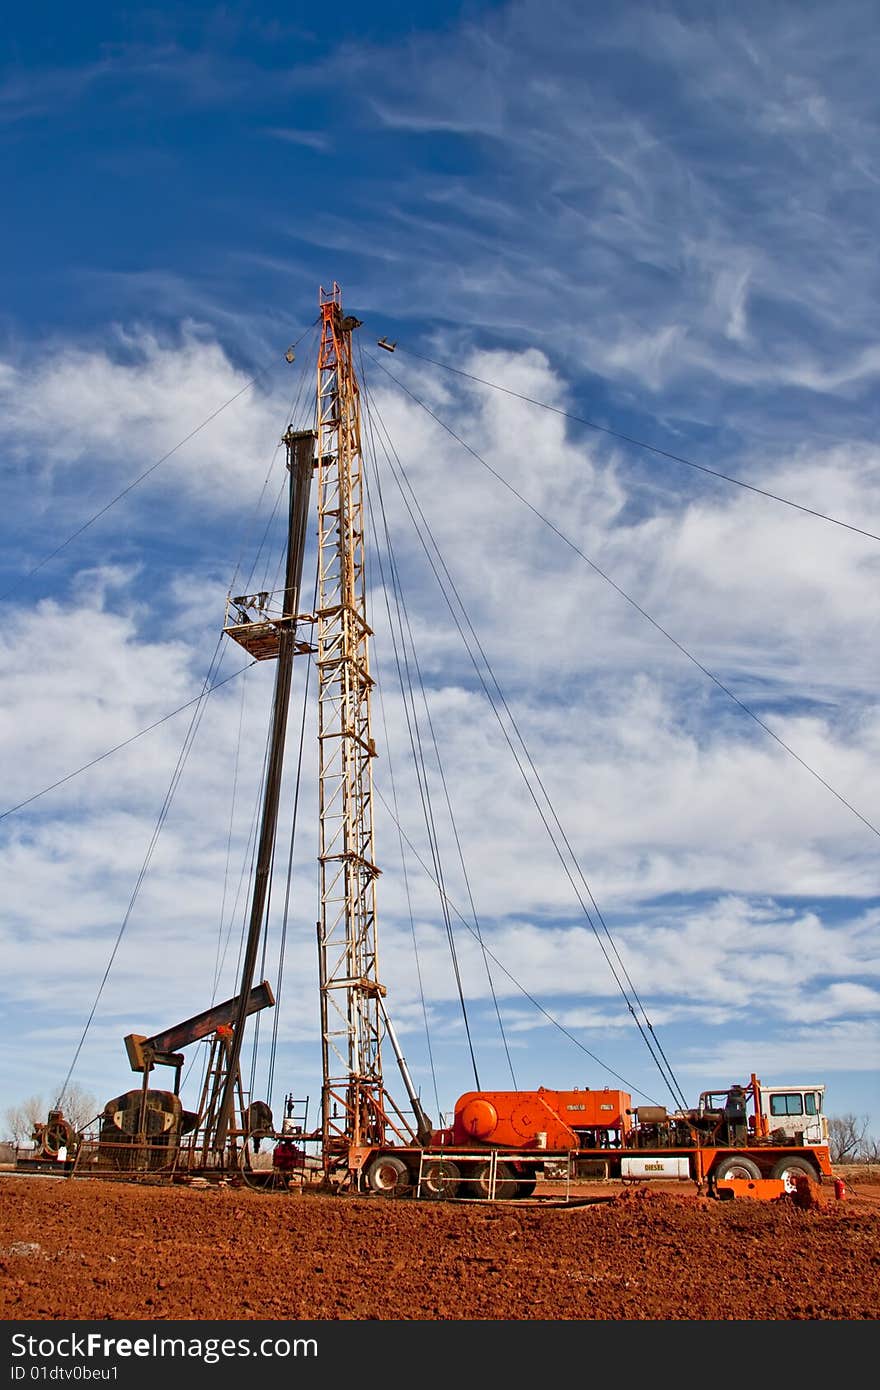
144 1053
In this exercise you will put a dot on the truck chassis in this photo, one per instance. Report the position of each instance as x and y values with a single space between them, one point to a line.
454 1173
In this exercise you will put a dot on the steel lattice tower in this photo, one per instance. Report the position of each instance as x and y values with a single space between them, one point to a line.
353 1102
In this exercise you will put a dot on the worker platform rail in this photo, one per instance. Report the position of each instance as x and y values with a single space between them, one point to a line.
454 1175
156 1160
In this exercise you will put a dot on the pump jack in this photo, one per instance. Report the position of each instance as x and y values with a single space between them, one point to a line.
148 1129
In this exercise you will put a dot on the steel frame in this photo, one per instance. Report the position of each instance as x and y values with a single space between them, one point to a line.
353 1101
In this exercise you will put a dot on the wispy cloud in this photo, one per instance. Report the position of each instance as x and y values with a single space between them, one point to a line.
698 195
25 94
311 139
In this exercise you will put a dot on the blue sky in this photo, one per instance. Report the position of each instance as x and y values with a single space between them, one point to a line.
658 218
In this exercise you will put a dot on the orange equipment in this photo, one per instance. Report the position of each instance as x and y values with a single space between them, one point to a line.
542 1119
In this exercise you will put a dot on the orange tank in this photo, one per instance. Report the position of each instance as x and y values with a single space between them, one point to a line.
541 1119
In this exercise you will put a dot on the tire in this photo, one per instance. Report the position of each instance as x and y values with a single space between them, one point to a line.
505 1182
736 1166
789 1168
440 1179
388 1176
526 1187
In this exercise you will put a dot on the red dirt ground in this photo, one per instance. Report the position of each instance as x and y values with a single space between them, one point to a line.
96 1250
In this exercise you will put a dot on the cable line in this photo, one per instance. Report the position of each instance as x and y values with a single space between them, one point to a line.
409 904
201 705
388 752
101 756
408 635
403 861
289 880
502 967
624 595
658 1055
249 585
131 486
146 473
218 958
652 448
404 676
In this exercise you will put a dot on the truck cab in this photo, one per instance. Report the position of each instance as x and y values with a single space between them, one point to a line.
795 1111
791 1115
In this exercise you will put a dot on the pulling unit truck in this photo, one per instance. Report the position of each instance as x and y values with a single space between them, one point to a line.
501 1142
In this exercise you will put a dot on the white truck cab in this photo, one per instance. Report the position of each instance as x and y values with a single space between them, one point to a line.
796 1111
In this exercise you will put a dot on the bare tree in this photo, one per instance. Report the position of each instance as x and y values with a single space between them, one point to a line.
20 1119
79 1106
871 1150
847 1138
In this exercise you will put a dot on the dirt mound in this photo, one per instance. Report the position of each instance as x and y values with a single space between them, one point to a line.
89 1249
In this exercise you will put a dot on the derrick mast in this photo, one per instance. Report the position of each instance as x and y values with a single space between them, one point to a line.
353 1098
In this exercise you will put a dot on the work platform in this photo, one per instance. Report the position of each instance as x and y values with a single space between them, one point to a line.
251 623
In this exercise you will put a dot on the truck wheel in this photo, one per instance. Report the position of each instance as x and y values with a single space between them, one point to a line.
526 1186
737 1166
788 1169
505 1182
388 1175
440 1179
